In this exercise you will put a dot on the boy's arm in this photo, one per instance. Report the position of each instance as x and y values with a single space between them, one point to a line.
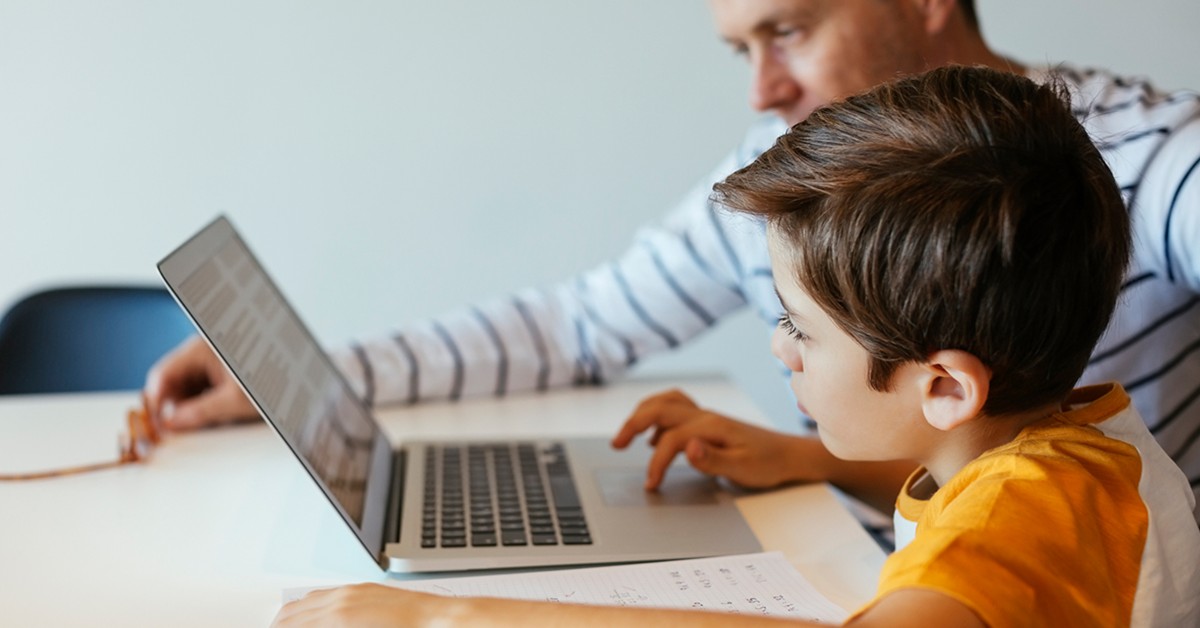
368 605
752 456
916 608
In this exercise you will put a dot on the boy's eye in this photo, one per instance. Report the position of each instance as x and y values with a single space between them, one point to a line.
785 323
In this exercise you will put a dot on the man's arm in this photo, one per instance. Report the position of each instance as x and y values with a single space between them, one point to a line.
677 279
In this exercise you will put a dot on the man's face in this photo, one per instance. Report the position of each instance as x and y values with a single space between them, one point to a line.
807 53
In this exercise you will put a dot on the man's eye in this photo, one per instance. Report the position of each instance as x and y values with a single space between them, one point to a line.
787 34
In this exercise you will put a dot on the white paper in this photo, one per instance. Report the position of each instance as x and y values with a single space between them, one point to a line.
754 584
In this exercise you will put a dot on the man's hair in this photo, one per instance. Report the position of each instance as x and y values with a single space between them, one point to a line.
964 208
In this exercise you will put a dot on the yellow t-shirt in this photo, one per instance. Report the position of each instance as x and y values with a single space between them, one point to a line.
1082 520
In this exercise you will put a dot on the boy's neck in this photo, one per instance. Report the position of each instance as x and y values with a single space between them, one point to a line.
970 440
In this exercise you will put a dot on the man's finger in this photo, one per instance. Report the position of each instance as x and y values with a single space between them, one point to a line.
224 404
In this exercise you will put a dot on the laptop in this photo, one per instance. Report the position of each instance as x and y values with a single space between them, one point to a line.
427 506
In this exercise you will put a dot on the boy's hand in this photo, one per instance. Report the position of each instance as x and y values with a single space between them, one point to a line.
366 605
749 456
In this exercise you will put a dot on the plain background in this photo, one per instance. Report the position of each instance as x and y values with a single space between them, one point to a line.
391 160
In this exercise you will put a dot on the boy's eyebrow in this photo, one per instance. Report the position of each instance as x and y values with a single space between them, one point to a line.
788 310
796 317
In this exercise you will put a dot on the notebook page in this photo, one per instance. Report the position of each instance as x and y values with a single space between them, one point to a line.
757 584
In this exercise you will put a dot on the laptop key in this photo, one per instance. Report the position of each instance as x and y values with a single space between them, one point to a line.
513 538
498 495
563 490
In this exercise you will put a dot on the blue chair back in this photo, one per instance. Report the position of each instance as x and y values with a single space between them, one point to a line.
77 339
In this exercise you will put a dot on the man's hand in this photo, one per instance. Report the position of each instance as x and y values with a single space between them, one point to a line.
190 388
748 455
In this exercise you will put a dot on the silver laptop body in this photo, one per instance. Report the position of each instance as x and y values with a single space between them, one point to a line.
399 501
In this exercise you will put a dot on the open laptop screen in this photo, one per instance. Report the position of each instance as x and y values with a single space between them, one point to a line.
246 320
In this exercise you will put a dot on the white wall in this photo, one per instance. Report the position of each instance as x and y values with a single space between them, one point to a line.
389 160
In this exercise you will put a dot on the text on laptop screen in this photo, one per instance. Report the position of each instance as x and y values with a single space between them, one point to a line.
250 325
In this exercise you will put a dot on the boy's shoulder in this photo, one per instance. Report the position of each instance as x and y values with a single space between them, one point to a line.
1059 469
1075 447
1085 495
1087 461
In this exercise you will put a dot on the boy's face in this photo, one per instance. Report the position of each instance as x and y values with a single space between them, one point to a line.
807 53
829 377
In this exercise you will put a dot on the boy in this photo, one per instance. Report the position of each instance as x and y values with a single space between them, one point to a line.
947 249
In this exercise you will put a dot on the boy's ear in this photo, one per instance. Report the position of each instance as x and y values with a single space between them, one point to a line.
954 387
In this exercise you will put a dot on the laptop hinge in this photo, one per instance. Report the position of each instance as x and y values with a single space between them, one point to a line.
391 523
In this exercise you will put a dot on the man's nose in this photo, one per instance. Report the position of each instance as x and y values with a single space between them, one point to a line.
772 86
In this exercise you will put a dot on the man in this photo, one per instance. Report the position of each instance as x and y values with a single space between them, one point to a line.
701 264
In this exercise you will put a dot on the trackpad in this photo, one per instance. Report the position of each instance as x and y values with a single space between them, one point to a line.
683 486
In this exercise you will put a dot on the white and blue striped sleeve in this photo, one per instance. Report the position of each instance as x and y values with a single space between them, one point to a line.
676 279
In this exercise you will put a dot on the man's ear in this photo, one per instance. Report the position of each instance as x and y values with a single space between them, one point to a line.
936 14
954 388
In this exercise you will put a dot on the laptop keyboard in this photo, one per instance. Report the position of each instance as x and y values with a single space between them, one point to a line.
501 494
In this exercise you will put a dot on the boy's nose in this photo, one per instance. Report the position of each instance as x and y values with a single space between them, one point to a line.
783 347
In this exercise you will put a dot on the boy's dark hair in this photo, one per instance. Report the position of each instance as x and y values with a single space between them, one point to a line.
964 208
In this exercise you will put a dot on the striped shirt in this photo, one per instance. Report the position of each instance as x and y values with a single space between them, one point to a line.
700 264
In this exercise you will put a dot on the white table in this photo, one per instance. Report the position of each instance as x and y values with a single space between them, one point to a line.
219 522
